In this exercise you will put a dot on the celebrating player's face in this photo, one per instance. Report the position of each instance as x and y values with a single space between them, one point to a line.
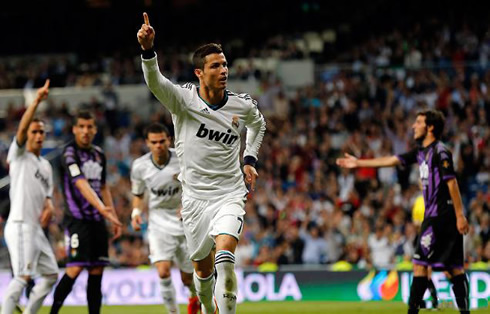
419 128
35 136
84 131
215 73
158 143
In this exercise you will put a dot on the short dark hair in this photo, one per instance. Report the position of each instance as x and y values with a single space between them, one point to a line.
85 115
156 128
37 120
201 53
434 118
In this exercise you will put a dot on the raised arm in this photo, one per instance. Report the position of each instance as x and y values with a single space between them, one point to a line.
170 95
27 117
350 161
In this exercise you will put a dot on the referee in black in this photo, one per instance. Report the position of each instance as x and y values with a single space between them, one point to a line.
440 243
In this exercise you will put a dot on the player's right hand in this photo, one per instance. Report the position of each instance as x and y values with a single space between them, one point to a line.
146 34
348 161
109 213
136 222
462 225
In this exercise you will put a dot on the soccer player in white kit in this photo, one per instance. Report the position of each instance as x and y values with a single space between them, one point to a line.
31 208
157 172
208 120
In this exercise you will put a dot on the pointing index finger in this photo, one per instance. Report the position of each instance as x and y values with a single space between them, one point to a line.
46 84
147 20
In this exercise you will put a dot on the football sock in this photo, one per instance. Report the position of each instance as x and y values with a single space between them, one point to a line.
94 293
204 289
39 292
62 290
417 290
12 294
461 292
168 294
226 284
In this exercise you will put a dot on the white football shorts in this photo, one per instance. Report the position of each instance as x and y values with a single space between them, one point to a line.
29 249
205 219
166 247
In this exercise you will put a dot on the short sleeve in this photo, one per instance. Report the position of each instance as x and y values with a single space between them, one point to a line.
446 165
15 151
408 158
137 183
71 164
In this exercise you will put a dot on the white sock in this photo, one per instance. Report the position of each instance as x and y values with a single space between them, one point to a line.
12 294
226 284
39 293
204 289
168 293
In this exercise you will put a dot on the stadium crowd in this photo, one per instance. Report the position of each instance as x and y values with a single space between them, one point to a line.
305 209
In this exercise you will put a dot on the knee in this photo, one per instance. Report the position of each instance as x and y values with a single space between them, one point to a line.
419 270
164 274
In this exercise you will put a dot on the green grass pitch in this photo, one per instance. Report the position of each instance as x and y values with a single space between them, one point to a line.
303 307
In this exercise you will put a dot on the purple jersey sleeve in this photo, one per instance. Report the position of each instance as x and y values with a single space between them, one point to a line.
71 164
408 158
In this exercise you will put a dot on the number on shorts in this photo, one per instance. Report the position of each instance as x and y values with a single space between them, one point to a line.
74 243
241 224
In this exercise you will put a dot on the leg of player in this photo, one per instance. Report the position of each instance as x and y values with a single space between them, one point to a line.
12 293
64 287
194 306
39 293
432 288
460 288
417 290
166 287
204 282
226 283
94 289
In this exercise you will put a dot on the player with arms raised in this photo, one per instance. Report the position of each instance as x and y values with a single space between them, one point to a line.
208 121
31 209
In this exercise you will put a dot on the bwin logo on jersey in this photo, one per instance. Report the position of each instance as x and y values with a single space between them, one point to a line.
169 191
43 180
213 135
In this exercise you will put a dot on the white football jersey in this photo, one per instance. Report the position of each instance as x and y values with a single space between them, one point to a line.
164 188
31 182
207 141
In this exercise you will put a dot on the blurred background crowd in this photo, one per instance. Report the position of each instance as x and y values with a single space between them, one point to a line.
363 101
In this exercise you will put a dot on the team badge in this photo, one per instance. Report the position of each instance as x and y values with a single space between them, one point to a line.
234 122
445 164
74 170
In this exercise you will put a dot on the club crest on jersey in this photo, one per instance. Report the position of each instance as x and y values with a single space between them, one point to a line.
217 136
235 122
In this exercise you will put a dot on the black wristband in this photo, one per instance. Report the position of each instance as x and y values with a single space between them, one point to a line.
250 160
148 54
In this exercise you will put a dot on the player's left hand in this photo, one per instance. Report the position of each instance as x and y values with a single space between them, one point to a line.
462 224
46 216
251 176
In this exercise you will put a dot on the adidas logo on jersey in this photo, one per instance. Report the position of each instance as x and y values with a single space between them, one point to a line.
205 110
213 135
